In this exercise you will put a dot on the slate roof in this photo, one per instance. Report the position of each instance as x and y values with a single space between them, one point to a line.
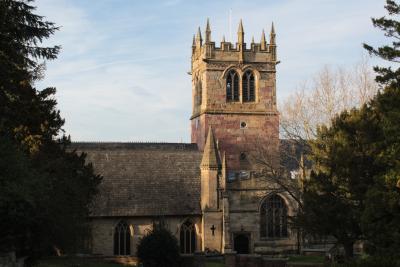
145 179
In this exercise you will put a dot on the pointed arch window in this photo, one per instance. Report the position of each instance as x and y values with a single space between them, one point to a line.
273 218
122 239
248 87
232 86
187 238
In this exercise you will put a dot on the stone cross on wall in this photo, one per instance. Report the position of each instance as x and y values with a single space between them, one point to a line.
213 229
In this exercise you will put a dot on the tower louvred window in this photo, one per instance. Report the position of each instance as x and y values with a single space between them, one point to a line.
232 86
248 87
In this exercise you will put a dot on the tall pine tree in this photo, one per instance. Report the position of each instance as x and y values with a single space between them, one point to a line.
46 189
381 218
391 26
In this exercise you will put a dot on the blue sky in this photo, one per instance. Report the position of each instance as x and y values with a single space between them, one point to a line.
122 72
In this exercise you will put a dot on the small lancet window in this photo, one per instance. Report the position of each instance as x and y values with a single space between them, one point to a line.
187 238
248 87
273 218
122 239
232 86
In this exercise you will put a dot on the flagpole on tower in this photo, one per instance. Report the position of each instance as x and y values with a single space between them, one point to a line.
230 25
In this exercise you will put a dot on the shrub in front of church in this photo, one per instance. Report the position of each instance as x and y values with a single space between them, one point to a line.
159 248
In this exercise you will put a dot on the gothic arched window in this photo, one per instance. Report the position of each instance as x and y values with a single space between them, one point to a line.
248 87
187 238
273 218
232 86
122 239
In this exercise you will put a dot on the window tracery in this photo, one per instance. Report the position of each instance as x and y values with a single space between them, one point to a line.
273 218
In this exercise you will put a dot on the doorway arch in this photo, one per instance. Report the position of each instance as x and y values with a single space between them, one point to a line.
241 244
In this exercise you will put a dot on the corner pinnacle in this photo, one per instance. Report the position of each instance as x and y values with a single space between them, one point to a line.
208 32
263 41
199 40
210 153
240 29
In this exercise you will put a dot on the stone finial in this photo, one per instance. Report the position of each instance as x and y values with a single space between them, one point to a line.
194 41
252 39
263 42
199 40
223 38
210 154
240 33
208 32
240 29
272 35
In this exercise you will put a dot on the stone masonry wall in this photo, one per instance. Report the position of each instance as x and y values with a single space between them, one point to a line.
232 139
103 231
245 199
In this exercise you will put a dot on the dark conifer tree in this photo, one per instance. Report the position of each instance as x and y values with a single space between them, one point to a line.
46 190
391 52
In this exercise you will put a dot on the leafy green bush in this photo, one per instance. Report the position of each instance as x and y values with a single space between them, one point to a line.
159 248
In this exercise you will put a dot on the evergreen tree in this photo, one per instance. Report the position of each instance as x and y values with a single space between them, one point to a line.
159 248
46 189
26 115
381 218
344 167
391 26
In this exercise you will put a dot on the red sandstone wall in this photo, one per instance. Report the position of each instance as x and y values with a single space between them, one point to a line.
231 138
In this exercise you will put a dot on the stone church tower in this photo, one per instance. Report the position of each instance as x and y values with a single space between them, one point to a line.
234 115
234 92
210 192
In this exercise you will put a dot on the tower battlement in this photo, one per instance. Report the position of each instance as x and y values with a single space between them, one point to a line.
233 52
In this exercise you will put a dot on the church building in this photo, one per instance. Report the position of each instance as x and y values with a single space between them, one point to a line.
207 192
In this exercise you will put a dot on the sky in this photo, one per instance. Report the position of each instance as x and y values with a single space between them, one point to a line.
122 71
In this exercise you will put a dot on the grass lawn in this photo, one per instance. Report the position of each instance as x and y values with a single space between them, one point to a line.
77 262
95 262
306 259
214 264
